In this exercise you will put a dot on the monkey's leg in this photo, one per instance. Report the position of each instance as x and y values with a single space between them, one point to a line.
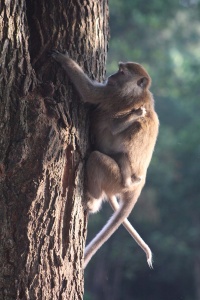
128 178
125 168
115 206
103 176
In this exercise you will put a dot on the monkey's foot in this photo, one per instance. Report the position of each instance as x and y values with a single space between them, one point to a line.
128 182
131 181
94 205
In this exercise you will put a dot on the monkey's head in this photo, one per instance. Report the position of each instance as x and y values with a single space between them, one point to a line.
130 79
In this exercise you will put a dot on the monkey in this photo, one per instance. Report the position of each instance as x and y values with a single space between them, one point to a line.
116 132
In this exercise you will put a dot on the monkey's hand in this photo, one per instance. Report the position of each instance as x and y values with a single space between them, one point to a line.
140 112
88 90
58 56
144 112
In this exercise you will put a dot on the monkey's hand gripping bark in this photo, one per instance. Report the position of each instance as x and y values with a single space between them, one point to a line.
124 125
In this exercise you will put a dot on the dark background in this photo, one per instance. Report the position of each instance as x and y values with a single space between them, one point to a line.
164 36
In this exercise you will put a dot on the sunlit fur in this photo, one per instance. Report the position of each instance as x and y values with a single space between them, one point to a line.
124 128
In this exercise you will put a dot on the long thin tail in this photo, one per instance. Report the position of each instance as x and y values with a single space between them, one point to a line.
115 206
111 226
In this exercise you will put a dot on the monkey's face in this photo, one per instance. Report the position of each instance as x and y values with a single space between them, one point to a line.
131 77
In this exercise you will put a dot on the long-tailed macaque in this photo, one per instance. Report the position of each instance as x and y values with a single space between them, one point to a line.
124 125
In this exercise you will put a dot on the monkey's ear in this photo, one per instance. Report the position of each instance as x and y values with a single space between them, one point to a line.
143 82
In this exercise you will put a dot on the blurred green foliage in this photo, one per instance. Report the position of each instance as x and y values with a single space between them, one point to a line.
164 36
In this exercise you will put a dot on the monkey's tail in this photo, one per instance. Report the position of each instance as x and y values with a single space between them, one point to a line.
115 206
111 226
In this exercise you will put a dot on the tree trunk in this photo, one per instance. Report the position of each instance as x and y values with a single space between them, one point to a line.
43 144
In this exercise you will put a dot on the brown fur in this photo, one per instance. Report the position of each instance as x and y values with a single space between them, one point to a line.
125 127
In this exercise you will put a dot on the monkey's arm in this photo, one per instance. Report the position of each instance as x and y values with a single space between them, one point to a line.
120 124
115 206
89 90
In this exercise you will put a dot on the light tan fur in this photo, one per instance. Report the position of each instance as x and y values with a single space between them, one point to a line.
124 128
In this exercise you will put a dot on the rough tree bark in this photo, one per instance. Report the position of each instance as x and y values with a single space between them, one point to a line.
43 144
